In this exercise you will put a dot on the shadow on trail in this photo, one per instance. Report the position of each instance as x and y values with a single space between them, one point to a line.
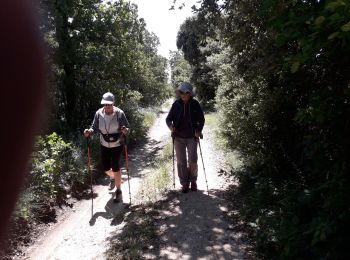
142 156
192 226
113 211
181 226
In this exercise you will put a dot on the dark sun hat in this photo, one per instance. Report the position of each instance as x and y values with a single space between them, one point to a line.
185 87
107 99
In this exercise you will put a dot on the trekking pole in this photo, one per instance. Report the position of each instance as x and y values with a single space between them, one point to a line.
173 160
89 171
205 175
127 168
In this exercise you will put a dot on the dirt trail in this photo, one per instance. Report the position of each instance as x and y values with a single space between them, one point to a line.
191 226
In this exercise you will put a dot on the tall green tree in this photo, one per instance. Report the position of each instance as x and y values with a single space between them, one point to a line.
193 39
180 69
151 75
94 47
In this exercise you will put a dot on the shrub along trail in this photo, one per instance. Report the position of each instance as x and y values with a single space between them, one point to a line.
179 226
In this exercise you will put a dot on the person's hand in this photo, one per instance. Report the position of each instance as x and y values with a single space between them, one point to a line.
125 130
197 135
172 129
86 133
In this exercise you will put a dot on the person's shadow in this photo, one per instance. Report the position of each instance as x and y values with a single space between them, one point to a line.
113 210
192 225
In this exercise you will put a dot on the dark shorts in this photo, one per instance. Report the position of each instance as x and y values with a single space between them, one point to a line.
111 158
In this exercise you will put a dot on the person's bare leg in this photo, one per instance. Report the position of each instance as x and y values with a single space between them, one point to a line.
118 179
110 173
111 185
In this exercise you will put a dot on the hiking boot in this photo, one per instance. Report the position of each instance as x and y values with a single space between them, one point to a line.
118 196
193 186
185 188
111 184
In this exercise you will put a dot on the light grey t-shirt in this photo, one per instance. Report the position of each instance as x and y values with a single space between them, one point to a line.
110 124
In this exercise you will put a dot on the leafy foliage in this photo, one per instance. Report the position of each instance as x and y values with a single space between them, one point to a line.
283 99
180 69
192 40
57 171
57 167
95 47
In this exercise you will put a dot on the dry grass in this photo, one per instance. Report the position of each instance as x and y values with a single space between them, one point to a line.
138 231
154 185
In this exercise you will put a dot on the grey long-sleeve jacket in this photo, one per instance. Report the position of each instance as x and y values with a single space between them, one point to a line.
102 125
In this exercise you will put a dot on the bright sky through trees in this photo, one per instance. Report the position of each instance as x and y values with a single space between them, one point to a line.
163 22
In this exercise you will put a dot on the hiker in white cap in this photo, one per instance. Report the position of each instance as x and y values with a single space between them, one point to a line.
110 121
185 121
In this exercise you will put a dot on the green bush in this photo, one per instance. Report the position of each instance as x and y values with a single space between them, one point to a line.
284 105
57 168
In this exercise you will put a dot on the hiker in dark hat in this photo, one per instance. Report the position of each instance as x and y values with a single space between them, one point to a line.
111 123
185 121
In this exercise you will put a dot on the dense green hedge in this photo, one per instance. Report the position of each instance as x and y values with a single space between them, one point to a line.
57 171
283 97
